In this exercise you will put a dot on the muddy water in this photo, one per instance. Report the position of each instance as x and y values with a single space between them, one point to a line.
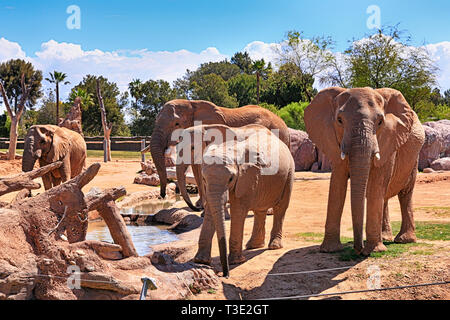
143 236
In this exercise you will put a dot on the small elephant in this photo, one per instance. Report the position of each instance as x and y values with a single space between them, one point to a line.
255 174
181 114
49 144
197 139
374 138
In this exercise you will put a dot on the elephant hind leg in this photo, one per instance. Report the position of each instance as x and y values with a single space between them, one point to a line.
257 239
407 232
279 212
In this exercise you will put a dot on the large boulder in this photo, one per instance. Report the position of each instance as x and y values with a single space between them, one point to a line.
303 150
441 164
437 142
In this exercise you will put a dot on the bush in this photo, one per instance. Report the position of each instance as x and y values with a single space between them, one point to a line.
293 115
428 111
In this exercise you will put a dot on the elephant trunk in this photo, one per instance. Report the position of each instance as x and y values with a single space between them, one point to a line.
181 178
158 145
359 164
217 204
28 159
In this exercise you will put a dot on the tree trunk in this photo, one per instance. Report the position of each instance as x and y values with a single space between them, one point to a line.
13 138
107 127
257 88
57 104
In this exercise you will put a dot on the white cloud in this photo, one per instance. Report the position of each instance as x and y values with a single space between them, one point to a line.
440 53
122 66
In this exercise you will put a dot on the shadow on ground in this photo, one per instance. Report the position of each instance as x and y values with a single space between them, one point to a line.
301 259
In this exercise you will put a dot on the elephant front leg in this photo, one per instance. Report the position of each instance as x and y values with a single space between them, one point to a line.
47 181
259 230
336 199
203 255
386 231
65 170
238 215
198 178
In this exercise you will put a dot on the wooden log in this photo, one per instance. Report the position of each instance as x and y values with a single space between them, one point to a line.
103 202
25 180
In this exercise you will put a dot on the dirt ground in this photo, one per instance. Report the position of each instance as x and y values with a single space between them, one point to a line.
263 275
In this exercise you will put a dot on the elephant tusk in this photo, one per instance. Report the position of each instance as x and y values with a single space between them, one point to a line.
377 156
342 156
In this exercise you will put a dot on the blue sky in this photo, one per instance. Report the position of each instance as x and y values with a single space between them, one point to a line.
125 40
195 25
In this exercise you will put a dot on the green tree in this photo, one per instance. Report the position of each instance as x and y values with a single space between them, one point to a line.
5 125
149 98
114 105
287 85
260 69
57 78
312 57
293 115
243 61
243 88
212 87
386 59
87 99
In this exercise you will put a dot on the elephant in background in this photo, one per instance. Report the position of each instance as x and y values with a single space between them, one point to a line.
374 138
48 144
181 114
206 134
255 174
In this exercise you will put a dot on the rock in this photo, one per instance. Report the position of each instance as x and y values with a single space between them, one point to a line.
441 164
143 178
302 149
437 142
161 258
315 167
428 170
324 162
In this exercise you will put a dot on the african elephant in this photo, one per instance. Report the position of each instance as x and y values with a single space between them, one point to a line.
254 174
374 138
49 144
180 114
197 139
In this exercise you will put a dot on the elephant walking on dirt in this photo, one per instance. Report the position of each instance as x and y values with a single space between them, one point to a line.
255 174
181 114
48 144
374 138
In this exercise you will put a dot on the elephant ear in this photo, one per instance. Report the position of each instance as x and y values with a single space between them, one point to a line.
319 121
398 121
60 146
207 112
247 181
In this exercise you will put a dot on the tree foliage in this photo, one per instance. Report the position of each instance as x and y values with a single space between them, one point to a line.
114 105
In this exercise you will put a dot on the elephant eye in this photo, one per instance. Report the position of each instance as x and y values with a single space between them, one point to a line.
380 122
339 119
42 141
177 124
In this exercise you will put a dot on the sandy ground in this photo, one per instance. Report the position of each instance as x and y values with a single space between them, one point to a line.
429 261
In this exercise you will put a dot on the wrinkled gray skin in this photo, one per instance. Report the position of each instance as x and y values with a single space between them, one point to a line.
48 144
181 114
373 138
205 135
246 188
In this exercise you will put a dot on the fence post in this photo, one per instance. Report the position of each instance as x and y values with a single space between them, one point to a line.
105 150
142 148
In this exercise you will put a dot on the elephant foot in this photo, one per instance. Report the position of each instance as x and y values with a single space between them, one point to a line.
373 247
387 235
202 259
405 237
236 258
275 244
329 246
254 244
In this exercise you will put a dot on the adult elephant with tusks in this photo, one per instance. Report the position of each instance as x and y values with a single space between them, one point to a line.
181 114
373 138
48 144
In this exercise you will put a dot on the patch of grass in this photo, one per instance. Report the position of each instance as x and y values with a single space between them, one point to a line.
427 230
212 291
317 237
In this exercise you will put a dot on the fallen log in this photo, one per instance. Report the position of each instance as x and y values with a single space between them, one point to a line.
104 203
25 180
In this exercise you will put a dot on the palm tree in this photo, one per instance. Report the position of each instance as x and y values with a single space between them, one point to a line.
57 78
260 69
87 99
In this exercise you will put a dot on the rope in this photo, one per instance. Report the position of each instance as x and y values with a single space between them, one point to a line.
359 291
